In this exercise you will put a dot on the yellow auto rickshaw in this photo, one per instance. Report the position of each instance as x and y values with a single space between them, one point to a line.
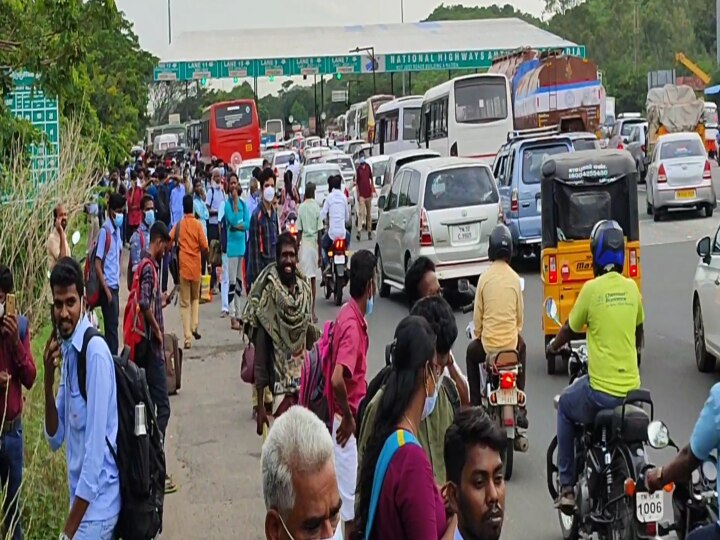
578 189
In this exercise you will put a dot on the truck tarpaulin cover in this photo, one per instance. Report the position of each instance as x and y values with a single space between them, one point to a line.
674 107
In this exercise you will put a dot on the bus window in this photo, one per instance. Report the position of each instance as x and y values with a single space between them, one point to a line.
411 123
233 116
478 101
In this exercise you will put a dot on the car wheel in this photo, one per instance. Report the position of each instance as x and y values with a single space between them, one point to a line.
383 288
704 360
657 214
709 209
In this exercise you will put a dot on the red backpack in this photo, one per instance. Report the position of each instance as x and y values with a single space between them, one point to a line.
135 328
92 282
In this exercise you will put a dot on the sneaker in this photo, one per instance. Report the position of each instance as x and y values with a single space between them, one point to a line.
566 502
170 486
224 315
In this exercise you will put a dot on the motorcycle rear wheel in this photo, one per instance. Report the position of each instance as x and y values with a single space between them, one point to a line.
509 458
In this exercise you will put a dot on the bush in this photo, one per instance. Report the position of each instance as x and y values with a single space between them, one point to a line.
27 219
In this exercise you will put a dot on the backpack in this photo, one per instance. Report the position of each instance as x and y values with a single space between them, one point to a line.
140 459
129 268
135 328
315 376
163 204
92 282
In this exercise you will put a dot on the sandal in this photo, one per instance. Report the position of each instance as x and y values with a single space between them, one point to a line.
234 324
170 486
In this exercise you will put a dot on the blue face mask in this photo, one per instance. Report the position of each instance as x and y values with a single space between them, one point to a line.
150 218
369 306
119 219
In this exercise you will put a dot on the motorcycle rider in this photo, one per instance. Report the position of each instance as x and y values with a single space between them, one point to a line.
498 316
337 211
610 305
704 439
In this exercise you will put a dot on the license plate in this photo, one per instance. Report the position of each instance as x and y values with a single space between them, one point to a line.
506 397
339 259
649 507
463 233
538 204
685 194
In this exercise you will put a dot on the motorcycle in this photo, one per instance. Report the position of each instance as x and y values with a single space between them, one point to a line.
336 273
695 503
612 501
501 397
291 224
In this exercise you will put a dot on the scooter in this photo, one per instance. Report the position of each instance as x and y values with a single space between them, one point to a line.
501 397
335 274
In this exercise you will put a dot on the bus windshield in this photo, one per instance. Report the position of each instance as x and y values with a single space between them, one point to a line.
411 123
480 100
711 116
233 116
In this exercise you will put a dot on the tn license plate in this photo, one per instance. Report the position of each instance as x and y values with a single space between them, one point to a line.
339 259
463 233
685 194
506 397
649 507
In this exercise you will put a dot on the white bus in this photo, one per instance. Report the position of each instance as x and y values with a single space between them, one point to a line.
275 127
468 116
352 121
397 125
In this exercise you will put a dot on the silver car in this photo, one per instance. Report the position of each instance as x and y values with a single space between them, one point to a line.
442 208
318 174
397 160
679 176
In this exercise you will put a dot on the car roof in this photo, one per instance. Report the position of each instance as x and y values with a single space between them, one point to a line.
254 162
682 136
580 135
410 153
563 137
284 153
335 154
434 164
376 159
320 167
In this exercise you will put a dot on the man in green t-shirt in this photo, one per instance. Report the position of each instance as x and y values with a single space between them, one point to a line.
611 307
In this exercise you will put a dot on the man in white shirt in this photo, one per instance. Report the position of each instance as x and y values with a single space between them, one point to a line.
294 166
337 210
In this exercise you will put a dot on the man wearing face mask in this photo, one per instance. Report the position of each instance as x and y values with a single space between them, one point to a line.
475 491
107 265
215 200
134 204
57 243
365 189
17 369
278 321
294 167
349 350
140 239
264 230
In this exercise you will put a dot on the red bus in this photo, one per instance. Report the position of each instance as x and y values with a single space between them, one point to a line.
230 131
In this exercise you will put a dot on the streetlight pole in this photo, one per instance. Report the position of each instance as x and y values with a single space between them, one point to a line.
169 24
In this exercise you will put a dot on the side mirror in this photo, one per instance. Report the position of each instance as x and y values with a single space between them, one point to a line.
551 310
703 249
381 201
658 435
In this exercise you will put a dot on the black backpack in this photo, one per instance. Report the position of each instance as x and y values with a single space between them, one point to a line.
163 204
140 459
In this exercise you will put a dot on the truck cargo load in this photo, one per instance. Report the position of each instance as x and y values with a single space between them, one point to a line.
673 109
552 88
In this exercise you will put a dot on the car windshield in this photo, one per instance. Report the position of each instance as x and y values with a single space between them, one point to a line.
245 173
345 163
585 144
454 188
533 158
628 126
320 177
282 159
379 168
681 149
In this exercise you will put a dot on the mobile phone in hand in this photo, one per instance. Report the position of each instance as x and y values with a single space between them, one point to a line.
10 305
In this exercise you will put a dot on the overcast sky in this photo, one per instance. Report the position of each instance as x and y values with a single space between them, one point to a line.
150 17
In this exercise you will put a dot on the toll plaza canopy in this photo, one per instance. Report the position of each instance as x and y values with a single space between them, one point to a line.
424 46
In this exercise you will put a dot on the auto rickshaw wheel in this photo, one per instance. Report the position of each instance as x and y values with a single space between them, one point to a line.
551 359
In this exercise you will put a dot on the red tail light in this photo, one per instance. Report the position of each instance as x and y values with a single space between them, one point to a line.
339 245
425 234
565 272
651 529
552 269
514 202
620 146
275 171
633 264
642 147
507 380
662 177
707 173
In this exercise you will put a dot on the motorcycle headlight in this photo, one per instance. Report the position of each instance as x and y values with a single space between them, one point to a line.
695 477
709 470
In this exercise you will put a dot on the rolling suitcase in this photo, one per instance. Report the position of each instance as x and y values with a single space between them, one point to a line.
173 363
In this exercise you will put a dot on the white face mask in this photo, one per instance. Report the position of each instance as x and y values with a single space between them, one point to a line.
293 538
431 401
269 194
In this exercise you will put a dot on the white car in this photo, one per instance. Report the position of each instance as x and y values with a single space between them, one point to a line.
706 303
318 174
245 170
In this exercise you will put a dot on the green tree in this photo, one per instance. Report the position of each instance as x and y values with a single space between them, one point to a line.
298 112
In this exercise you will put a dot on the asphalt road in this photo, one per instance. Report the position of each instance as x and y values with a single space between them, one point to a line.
214 453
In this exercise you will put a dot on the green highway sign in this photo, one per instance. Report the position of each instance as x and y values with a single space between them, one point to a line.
30 103
332 65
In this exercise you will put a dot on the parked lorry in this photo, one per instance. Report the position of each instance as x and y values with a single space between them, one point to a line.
673 109
551 88
711 129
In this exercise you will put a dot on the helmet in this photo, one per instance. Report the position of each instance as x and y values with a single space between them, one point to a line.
607 244
501 243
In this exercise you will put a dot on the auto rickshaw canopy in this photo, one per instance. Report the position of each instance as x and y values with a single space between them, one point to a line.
578 189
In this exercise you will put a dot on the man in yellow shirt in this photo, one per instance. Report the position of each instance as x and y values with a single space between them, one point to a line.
611 307
498 315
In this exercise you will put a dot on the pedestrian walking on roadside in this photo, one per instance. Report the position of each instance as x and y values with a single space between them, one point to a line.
309 227
134 205
236 221
215 201
365 190
190 239
140 240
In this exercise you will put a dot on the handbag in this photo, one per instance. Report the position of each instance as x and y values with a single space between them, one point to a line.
247 366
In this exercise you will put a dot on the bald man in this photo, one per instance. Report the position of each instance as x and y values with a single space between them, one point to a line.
57 243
